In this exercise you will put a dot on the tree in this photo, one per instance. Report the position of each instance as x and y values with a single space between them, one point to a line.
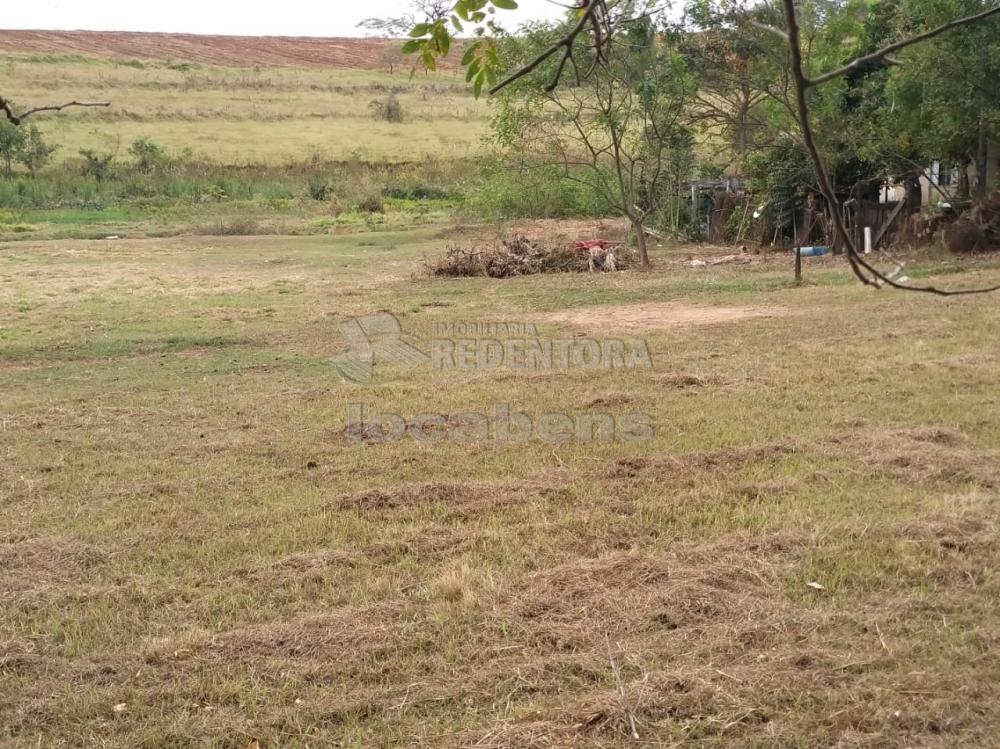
97 165
729 64
804 83
615 131
35 153
12 140
596 21
398 27
949 108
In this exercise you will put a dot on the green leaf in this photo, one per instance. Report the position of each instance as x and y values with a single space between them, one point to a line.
473 71
443 42
421 29
505 4
412 46
477 87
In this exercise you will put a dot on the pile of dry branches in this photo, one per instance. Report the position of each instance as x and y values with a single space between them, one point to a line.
977 230
516 256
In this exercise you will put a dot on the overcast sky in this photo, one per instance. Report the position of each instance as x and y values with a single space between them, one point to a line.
250 17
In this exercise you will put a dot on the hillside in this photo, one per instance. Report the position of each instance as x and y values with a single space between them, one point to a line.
238 100
233 51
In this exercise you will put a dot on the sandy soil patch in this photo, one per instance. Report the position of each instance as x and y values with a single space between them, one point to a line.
658 315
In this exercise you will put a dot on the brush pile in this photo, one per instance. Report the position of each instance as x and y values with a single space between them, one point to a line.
978 229
516 256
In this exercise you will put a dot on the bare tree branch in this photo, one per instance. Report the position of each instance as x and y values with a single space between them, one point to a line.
16 119
592 13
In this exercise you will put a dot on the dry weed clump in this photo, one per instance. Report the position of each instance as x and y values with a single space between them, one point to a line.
517 256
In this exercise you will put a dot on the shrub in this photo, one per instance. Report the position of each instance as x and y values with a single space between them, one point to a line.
780 176
100 166
537 193
371 204
319 189
234 226
149 157
389 108
12 141
415 192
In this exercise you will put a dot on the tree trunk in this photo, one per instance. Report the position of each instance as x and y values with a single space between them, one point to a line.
914 194
982 160
962 192
640 240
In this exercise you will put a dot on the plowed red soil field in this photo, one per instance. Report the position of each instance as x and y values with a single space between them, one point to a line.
312 52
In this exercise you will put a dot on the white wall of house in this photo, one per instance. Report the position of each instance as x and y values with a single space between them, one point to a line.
947 179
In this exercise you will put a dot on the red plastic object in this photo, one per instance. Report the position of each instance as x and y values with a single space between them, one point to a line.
593 244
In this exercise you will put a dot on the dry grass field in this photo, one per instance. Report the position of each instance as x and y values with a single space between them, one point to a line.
193 552
196 550
302 99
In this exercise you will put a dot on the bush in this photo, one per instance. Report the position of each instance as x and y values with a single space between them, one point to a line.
149 157
416 192
36 153
234 226
388 109
780 176
100 166
371 204
319 189
12 140
536 193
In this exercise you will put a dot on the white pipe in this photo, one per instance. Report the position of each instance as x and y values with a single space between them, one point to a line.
868 240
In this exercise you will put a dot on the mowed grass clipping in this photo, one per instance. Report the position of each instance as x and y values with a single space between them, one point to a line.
193 553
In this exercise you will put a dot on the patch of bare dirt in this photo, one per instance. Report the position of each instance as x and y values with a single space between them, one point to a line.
236 51
657 316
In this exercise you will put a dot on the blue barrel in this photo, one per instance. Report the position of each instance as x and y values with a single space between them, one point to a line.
814 251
